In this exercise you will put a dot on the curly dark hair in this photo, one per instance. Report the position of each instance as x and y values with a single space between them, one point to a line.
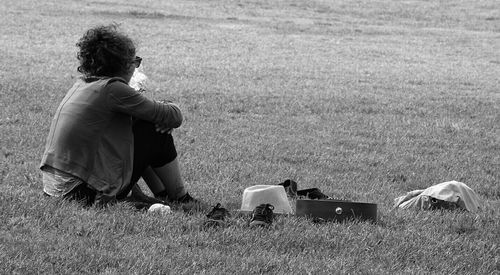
104 51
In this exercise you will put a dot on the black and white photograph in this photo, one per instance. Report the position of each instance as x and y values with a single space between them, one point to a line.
250 137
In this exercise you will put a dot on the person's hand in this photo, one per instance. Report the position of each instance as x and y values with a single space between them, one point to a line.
162 129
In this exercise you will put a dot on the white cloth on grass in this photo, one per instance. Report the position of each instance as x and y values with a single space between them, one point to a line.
450 191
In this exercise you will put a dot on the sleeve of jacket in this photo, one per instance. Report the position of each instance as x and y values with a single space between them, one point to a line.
123 98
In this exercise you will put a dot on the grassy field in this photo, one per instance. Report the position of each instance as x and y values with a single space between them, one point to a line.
365 100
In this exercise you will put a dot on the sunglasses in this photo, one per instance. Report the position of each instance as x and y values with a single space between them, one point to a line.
137 61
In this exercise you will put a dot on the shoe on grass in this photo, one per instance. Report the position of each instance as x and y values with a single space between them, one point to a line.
217 216
262 215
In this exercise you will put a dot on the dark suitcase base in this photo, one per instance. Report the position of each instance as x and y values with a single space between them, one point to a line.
336 210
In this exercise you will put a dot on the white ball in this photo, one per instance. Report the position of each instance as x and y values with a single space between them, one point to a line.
160 208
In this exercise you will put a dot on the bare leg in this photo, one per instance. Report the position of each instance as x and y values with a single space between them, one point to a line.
165 181
154 183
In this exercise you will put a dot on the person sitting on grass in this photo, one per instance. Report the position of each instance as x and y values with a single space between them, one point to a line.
105 135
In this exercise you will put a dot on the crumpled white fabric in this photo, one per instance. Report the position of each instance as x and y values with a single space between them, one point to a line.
451 191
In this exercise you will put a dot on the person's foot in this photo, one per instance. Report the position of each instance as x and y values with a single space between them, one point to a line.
262 215
217 216
185 199
188 204
140 200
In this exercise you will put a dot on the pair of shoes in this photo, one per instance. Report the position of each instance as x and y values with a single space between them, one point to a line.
262 215
311 193
217 217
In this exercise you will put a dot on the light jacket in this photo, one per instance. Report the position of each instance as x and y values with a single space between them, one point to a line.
451 191
91 135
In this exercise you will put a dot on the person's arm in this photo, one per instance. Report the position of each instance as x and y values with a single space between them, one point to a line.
123 98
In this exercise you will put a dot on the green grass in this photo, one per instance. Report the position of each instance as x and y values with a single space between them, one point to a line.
365 100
